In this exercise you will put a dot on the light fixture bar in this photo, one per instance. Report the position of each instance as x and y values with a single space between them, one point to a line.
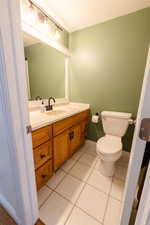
46 15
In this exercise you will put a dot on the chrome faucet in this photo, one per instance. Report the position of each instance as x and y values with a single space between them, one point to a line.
38 98
49 106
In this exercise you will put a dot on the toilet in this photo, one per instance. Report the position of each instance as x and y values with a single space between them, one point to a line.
109 148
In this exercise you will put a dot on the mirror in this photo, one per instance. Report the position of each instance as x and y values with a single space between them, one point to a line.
45 69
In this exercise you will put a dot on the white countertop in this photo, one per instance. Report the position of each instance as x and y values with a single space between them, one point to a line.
39 119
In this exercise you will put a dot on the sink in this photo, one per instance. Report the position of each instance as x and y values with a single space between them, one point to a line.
54 112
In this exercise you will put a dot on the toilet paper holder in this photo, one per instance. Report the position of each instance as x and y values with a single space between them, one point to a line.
96 117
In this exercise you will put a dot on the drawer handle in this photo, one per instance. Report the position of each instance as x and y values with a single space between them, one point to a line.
43 176
42 156
71 135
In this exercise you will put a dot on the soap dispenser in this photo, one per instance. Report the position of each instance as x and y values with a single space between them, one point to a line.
42 107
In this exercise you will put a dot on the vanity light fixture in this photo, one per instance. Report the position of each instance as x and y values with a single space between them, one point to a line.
46 27
44 19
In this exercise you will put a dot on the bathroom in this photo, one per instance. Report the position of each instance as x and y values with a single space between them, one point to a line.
82 80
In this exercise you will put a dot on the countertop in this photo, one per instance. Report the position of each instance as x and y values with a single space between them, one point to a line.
40 119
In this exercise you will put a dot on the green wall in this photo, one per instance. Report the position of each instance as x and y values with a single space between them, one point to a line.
107 66
46 71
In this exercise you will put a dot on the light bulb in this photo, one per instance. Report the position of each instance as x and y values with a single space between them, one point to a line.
32 14
57 35
45 26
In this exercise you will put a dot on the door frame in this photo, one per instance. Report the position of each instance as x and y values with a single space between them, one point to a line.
137 149
143 214
15 108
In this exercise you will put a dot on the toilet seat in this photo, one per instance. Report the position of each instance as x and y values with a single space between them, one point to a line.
109 145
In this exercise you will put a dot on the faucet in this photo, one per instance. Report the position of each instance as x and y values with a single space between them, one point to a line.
38 98
49 106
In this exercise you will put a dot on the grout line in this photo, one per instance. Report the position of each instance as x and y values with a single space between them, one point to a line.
59 182
63 197
107 201
69 215
115 198
45 200
89 215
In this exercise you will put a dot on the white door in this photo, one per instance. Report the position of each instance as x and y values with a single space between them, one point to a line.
138 148
19 198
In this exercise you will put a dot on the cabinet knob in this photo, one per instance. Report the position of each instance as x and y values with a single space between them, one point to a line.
42 156
43 176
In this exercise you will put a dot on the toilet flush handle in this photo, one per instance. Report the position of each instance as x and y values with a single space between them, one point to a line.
131 121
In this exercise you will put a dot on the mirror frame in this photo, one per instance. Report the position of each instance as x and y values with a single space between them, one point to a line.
38 35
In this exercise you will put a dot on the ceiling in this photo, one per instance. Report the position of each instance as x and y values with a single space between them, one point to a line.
29 40
77 14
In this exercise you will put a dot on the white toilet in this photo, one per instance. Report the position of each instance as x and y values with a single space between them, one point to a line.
109 147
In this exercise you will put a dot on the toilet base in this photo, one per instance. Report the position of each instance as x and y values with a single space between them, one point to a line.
107 168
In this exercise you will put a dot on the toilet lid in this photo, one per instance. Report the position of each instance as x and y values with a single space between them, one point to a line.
109 144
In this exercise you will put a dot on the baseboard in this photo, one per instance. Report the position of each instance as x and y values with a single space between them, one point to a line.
8 207
90 141
126 153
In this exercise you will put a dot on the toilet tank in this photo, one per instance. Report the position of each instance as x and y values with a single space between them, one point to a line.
115 123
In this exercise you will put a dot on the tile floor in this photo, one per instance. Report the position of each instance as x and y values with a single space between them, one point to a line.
79 195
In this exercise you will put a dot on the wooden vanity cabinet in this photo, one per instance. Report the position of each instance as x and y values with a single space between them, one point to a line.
54 144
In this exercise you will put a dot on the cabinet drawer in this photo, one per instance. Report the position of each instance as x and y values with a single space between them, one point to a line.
42 154
43 174
41 135
62 125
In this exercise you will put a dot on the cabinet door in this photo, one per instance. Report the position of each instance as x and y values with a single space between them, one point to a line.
84 126
61 149
75 138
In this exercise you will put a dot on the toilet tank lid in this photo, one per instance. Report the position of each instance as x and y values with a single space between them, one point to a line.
121 115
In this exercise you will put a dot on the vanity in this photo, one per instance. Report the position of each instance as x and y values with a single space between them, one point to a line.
58 132
56 137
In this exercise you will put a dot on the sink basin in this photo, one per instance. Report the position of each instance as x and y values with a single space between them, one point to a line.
54 112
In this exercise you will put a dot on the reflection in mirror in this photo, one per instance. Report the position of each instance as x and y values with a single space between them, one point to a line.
45 69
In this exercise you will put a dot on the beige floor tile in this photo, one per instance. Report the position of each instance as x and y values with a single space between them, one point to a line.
120 172
93 202
100 182
77 155
43 195
117 189
70 188
68 165
113 212
124 160
97 164
78 217
88 160
56 179
90 148
56 210
80 171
